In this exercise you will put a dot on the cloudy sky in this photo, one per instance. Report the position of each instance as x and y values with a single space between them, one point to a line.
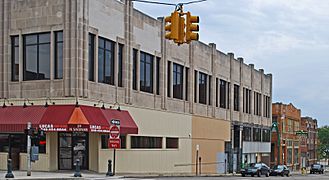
288 38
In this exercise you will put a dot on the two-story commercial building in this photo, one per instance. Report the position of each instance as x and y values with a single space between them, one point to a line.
70 67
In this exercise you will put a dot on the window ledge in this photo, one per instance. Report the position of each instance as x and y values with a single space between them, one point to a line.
176 99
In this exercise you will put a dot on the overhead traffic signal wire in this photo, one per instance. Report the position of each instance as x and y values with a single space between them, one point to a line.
154 2
169 4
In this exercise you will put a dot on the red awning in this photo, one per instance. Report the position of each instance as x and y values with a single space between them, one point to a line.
64 118
127 124
15 118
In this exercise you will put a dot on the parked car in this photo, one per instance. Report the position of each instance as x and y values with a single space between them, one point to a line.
281 170
317 168
256 169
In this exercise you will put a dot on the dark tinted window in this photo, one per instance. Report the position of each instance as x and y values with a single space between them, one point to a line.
202 88
135 52
146 72
120 65
143 142
172 143
186 84
106 61
178 81
236 97
37 56
169 79
59 55
15 58
91 58
158 76
222 94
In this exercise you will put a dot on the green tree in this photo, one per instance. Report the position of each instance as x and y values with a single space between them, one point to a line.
323 146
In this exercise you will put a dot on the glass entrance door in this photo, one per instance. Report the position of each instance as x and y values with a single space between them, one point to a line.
72 146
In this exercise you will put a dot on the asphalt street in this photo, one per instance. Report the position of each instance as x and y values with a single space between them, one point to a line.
297 177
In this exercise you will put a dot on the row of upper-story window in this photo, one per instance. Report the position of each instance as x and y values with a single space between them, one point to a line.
202 82
36 56
36 66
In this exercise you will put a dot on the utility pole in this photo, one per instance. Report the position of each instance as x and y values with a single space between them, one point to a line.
28 149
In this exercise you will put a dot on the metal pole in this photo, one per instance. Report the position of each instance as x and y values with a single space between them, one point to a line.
196 160
9 169
9 152
225 166
28 150
113 161
196 164
200 165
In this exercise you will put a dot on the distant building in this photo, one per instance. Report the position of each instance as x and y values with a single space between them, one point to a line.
288 120
309 151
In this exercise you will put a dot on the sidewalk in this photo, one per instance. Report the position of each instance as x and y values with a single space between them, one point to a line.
57 175
66 175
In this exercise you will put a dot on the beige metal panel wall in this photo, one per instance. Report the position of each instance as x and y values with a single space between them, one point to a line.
148 160
52 150
161 123
210 134
41 165
3 161
94 139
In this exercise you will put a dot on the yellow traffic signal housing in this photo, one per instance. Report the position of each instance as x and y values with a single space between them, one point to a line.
172 26
192 27
181 31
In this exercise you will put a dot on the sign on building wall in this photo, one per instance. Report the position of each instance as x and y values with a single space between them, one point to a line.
114 139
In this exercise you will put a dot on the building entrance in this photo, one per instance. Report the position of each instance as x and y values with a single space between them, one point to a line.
72 146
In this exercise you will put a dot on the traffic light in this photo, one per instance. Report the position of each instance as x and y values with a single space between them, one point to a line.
192 27
172 26
181 31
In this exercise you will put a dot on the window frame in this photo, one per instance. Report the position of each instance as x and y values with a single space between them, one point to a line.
135 57
91 57
120 64
37 44
178 71
145 142
14 47
111 67
144 57
202 80
236 99
56 58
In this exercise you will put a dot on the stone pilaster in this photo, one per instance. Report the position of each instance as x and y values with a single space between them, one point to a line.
241 101
128 33
252 96
213 80
75 47
231 88
2 56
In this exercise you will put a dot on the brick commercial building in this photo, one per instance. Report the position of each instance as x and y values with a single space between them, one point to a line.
309 151
83 63
288 120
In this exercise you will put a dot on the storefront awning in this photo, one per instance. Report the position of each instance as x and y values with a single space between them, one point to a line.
127 124
15 118
65 118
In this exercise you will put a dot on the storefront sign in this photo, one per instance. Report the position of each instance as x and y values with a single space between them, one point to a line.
51 127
